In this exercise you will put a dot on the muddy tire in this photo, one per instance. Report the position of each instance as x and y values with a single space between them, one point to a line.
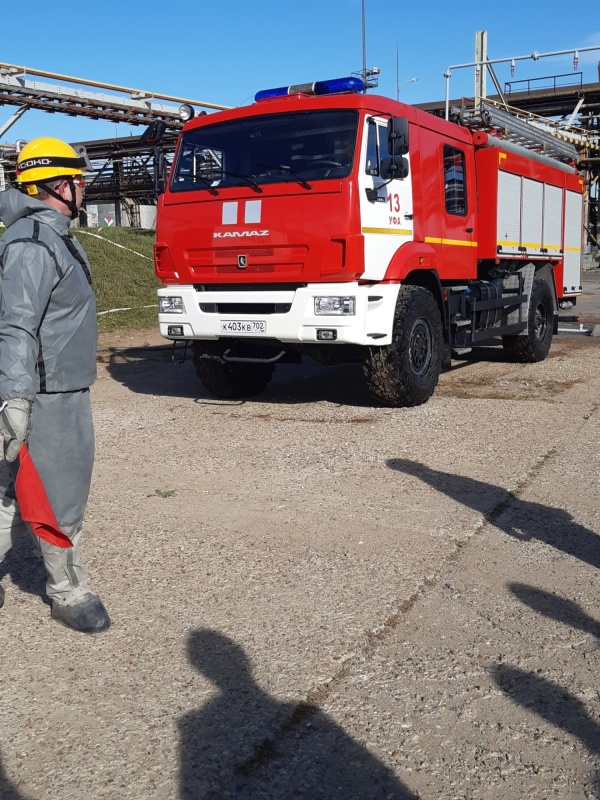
227 380
535 344
406 372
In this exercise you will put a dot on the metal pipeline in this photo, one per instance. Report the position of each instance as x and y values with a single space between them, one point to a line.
483 139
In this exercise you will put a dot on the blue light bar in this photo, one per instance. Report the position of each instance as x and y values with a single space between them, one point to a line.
267 94
339 85
333 86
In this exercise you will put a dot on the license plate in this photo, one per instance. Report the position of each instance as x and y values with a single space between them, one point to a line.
243 326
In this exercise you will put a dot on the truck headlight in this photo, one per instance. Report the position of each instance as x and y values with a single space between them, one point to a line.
335 306
171 305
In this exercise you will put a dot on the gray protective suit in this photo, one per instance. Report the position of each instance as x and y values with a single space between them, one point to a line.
48 337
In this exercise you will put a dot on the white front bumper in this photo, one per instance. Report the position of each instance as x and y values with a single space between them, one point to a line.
371 324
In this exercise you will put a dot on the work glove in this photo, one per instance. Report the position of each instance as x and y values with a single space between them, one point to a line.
15 422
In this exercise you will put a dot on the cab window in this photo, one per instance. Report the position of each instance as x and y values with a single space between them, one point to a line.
377 147
455 190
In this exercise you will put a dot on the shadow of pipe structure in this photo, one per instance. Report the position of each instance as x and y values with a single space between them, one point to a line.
245 744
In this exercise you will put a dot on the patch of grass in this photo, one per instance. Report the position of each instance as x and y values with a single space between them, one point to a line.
122 278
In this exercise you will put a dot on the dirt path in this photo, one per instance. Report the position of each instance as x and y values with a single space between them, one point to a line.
316 598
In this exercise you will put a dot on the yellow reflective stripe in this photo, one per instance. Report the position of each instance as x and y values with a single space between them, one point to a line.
535 245
457 242
573 249
397 231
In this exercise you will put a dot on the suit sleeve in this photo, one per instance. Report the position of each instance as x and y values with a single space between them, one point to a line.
27 278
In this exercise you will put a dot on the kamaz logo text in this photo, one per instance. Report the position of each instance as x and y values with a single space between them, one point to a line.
238 234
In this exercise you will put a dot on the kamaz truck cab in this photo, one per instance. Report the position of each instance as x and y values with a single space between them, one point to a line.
323 221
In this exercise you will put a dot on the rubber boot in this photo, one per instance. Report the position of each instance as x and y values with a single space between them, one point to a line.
85 614
73 604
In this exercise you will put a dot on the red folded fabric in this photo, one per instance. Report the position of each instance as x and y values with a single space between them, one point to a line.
34 504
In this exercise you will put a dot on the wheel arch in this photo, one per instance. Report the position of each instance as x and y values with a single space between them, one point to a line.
545 273
406 372
430 280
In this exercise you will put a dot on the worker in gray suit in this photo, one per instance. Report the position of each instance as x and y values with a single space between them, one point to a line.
48 336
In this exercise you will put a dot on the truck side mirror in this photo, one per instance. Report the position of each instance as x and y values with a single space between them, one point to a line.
152 137
159 170
397 131
393 168
154 133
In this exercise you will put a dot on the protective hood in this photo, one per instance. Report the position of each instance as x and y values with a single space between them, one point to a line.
15 205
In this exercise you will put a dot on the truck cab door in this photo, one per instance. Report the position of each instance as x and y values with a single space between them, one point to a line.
386 206
459 248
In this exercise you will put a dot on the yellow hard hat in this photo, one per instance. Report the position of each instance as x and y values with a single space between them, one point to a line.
46 158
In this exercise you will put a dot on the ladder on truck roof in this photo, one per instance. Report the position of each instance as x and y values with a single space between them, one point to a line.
553 139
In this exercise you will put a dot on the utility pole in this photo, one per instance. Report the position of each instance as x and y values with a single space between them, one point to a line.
480 70
368 76
364 47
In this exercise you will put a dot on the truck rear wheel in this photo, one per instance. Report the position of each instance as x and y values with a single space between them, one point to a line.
229 380
406 372
535 344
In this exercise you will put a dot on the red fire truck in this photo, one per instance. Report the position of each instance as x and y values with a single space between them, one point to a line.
326 222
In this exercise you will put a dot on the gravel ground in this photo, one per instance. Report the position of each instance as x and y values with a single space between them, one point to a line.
312 597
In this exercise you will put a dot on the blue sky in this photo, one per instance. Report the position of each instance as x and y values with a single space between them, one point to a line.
224 53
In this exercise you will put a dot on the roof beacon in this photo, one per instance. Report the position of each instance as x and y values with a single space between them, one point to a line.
332 86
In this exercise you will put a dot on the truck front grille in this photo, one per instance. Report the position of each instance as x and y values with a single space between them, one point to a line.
245 308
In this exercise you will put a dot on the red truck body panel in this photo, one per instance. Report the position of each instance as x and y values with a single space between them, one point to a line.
299 235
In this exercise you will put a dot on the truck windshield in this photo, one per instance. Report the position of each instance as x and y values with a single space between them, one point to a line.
278 148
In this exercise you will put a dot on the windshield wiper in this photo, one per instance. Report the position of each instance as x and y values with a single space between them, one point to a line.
249 180
289 171
206 182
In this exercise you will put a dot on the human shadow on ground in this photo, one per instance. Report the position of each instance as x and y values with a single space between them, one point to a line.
8 791
550 701
152 371
547 699
526 521
555 607
245 744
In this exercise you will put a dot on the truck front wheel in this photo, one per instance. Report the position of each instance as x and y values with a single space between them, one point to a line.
229 380
406 372
535 343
